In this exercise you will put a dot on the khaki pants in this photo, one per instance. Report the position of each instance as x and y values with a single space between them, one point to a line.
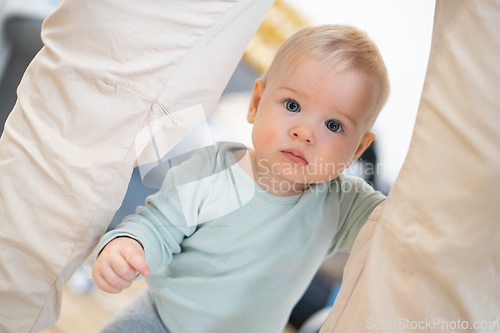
108 68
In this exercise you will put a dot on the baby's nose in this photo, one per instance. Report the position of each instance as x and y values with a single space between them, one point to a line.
303 132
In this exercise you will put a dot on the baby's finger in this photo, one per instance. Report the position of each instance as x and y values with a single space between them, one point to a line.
113 279
121 267
137 262
104 286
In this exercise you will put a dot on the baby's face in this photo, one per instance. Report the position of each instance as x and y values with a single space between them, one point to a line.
309 125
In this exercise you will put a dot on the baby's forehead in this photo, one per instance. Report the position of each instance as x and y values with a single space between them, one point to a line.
329 67
318 70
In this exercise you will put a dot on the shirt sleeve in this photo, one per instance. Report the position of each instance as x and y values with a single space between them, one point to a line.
357 201
161 225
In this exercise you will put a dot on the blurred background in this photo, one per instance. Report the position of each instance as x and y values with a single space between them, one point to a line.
402 31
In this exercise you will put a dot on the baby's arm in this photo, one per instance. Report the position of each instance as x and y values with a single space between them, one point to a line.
357 202
146 241
118 263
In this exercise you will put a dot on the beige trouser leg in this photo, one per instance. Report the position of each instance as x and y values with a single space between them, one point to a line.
67 151
430 256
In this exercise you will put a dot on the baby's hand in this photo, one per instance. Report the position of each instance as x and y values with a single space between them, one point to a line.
118 263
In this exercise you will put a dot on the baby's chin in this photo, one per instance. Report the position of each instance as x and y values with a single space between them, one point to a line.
307 180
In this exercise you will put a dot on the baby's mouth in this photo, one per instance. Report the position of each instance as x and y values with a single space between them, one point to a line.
295 157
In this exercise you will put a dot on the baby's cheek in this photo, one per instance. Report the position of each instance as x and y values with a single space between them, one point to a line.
267 137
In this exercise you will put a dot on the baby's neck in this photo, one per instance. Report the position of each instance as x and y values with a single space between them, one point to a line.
269 182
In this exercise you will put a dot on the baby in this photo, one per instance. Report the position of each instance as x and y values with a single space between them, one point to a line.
234 237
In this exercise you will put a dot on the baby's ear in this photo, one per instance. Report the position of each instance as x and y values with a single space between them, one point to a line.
258 90
365 143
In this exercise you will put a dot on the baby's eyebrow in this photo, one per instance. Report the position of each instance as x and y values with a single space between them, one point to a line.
350 118
292 90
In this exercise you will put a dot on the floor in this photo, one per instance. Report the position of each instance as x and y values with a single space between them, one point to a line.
87 312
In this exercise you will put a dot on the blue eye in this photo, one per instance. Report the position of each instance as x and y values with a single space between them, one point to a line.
291 105
333 126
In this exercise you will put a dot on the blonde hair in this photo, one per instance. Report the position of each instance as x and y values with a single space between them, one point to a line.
338 47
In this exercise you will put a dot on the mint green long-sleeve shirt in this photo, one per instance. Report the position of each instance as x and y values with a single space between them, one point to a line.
226 256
